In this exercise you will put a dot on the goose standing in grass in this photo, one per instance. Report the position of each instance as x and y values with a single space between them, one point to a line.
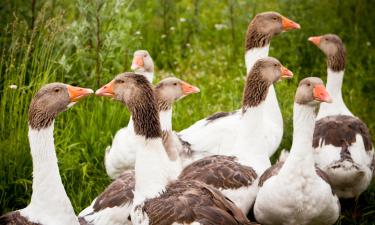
236 175
49 203
159 198
121 155
342 142
114 204
215 134
296 191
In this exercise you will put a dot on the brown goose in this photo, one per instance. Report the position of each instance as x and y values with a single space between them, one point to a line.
114 204
295 191
49 203
216 133
121 155
342 142
159 198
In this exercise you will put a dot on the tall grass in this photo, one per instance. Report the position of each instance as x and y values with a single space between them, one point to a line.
199 41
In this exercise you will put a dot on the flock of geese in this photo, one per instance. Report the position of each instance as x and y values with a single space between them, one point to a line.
218 169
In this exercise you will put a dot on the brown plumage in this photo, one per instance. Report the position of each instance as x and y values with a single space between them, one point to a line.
187 201
341 131
221 172
275 169
118 193
336 61
218 115
256 88
15 218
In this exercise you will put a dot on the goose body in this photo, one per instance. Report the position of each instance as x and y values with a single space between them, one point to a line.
215 134
157 191
295 191
49 203
342 142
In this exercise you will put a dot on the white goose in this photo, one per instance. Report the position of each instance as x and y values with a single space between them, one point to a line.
295 191
121 155
215 134
342 142
158 199
114 204
49 203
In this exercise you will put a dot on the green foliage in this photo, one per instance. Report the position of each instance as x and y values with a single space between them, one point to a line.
86 43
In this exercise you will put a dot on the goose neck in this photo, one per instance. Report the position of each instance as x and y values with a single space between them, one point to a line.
254 54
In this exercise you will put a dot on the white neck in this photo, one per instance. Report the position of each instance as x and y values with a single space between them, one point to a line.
253 55
301 153
166 120
153 169
248 147
49 201
149 75
334 85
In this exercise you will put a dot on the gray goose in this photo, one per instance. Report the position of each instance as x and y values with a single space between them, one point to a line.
49 203
342 142
159 198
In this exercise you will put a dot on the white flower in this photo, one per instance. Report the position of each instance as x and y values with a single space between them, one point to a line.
163 36
188 45
220 26
13 86
137 32
172 28
368 43
182 20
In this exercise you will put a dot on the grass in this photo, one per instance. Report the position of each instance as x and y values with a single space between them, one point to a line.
86 44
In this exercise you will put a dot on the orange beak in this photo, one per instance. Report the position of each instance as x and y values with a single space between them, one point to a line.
285 73
320 94
106 90
289 24
315 40
189 89
76 93
137 62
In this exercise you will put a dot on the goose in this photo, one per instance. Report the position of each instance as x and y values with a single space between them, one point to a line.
158 197
113 205
215 133
237 175
296 191
342 142
121 155
49 203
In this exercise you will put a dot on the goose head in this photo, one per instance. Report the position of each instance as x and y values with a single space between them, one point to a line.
333 47
52 99
142 62
172 89
272 23
270 70
311 91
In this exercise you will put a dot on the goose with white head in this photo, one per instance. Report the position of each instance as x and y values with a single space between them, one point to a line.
216 133
342 142
237 175
49 203
114 204
296 191
121 155
159 198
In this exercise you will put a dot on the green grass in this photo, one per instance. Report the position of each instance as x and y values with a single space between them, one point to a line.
87 43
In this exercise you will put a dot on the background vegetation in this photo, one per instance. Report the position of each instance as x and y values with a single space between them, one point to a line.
201 41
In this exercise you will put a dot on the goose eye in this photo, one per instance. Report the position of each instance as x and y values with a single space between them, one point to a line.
308 84
175 84
275 65
145 55
56 90
274 18
120 81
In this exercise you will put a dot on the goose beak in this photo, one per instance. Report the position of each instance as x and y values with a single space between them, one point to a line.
315 40
75 93
106 90
321 94
189 89
289 24
137 62
285 73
